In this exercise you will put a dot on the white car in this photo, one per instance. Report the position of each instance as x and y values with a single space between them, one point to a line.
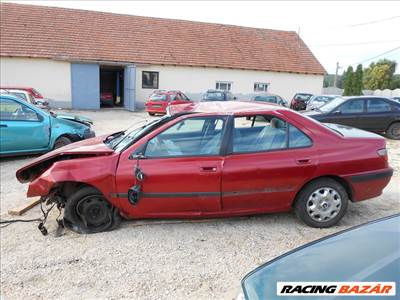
26 96
318 101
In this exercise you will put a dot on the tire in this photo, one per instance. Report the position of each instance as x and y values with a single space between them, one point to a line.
152 114
321 203
88 211
61 142
393 132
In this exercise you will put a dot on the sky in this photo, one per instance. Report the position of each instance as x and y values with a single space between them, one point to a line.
348 32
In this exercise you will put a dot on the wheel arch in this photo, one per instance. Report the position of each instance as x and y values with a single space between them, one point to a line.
337 178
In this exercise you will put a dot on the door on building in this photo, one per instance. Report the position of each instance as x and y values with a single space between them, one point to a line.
130 87
85 86
111 86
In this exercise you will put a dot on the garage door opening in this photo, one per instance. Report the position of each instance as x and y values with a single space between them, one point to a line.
111 86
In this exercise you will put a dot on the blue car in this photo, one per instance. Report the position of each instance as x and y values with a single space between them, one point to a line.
26 129
364 259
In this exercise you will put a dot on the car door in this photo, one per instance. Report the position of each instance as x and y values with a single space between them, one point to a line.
379 114
349 113
182 170
267 162
22 128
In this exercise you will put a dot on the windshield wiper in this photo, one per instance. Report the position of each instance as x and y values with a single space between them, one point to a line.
113 136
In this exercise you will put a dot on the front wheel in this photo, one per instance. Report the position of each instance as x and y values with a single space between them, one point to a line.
88 211
393 132
321 203
61 142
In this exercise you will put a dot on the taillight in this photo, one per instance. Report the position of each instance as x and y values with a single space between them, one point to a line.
383 153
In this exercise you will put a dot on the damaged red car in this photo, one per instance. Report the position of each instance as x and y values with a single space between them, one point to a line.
215 159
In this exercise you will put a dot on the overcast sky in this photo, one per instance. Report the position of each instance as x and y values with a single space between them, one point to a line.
346 32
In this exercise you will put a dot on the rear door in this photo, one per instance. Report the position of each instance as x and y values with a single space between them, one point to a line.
182 168
268 160
22 128
379 114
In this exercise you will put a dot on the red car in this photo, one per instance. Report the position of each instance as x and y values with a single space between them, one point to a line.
213 159
300 100
159 101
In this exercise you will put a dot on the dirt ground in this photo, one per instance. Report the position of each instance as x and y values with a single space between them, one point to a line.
175 260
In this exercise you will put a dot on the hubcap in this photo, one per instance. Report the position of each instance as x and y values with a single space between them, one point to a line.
93 211
324 204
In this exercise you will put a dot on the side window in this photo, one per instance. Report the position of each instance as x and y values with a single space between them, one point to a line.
11 110
184 97
377 105
258 133
352 106
189 137
298 139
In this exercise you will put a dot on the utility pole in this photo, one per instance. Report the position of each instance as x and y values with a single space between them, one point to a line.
336 74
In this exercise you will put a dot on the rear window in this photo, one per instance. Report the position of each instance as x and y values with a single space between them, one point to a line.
304 97
158 97
270 99
214 96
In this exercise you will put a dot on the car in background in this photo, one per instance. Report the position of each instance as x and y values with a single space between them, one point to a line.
207 159
332 260
26 129
159 100
397 99
106 99
371 113
318 101
299 101
218 95
30 90
269 98
27 96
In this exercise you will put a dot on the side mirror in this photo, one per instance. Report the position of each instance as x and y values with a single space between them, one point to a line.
136 156
337 112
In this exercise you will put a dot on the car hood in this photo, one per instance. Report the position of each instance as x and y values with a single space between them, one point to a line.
86 148
75 118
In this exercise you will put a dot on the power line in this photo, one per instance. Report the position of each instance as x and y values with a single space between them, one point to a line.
392 50
373 22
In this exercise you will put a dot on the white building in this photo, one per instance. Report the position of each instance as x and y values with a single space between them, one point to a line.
73 56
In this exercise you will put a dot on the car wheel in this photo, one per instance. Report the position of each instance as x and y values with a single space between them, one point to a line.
152 114
88 211
321 203
61 142
393 132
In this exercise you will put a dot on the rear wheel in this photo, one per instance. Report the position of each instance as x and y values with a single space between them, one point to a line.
321 203
152 114
393 132
88 211
61 142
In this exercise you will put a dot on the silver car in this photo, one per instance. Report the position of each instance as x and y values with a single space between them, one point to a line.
318 101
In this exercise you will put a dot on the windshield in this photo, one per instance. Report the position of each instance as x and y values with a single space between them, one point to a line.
331 105
270 99
158 97
303 97
215 96
119 140
322 99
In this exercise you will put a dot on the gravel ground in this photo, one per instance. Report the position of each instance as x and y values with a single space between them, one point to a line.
148 260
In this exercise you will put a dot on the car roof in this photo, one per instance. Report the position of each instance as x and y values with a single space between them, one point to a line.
5 90
167 92
16 88
225 107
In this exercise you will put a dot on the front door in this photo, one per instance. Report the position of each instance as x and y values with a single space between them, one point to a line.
349 113
21 128
269 159
182 169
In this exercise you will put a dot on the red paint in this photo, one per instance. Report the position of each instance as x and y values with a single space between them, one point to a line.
239 184
171 98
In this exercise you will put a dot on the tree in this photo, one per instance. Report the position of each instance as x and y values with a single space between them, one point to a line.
357 84
379 75
348 82
395 84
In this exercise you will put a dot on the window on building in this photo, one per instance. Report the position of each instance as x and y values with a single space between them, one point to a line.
223 85
260 87
150 80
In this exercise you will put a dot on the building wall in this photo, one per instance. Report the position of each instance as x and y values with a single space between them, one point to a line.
51 78
195 81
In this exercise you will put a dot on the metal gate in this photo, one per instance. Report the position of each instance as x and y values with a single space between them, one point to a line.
130 87
85 86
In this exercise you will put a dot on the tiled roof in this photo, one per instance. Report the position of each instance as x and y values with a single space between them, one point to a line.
70 34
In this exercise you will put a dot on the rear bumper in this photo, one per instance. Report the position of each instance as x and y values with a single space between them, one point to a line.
158 110
368 185
298 105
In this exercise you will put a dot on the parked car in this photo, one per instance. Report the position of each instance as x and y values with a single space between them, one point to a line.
318 101
26 129
269 98
397 99
208 160
369 254
106 99
27 96
218 95
371 113
35 94
159 100
299 101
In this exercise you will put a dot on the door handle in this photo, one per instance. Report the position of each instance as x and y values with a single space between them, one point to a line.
3 125
303 161
208 169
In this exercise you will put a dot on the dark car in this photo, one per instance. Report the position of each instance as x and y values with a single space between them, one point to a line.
300 100
269 98
371 113
364 259
208 160
397 99
218 95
